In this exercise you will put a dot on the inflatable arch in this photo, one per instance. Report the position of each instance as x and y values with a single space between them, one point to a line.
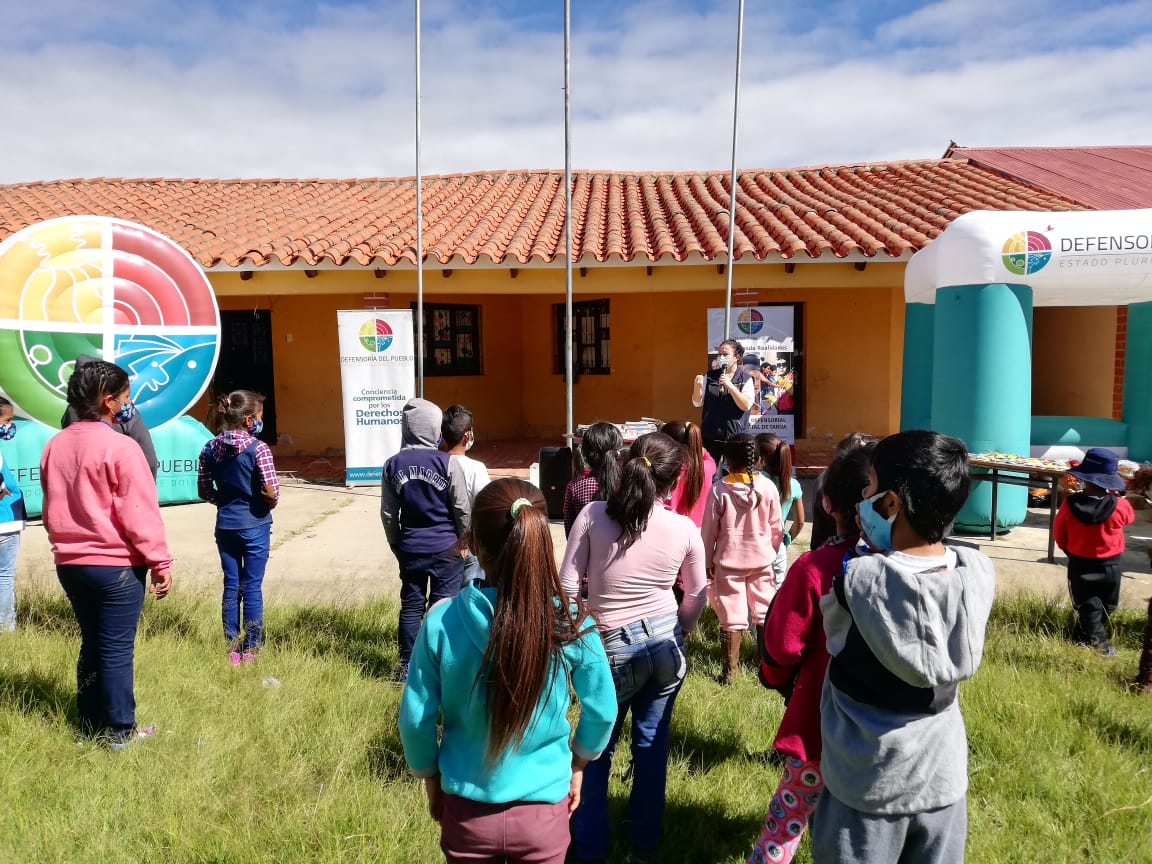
116 290
968 332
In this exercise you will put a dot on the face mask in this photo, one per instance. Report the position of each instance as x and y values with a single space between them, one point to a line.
876 528
468 444
127 412
724 361
257 427
7 431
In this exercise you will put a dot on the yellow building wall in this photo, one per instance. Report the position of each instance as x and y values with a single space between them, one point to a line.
1073 360
852 343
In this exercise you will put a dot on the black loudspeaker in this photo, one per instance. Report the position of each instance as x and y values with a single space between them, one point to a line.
555 472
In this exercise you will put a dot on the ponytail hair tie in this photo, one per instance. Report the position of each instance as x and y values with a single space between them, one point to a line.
647 461
514 510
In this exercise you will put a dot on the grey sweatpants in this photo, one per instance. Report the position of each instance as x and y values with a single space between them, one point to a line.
842 835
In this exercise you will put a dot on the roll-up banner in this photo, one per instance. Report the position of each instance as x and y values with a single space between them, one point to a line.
377 376
770 336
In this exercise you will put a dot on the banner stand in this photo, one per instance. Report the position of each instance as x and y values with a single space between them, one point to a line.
377 377
770 336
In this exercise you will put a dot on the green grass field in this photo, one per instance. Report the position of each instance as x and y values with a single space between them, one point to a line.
311 770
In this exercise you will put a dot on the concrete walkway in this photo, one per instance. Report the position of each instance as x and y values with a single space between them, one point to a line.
328 545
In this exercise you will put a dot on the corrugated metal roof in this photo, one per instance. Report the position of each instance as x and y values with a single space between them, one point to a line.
1104 178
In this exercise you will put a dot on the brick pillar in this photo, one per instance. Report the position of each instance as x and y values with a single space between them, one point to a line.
1118 368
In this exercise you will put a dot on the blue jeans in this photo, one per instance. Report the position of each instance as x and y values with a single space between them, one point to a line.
243 558
648 667
424 581
9 549
107 603
472 570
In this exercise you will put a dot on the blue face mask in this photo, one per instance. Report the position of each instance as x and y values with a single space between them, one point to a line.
7 431
127 412
257 427
876 528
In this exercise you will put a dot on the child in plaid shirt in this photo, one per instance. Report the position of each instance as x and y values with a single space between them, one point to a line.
237 474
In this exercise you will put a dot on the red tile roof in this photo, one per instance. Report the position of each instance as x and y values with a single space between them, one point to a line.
1103 178
515 218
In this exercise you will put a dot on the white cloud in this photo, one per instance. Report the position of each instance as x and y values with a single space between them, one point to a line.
332 95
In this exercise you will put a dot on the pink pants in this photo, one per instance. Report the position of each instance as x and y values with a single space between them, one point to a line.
788 811
733 594
522 831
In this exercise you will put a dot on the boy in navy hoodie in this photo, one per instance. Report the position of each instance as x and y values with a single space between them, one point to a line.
904 624
425 509
1089 529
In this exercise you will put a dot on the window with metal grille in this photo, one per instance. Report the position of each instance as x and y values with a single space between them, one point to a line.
451 339
590 338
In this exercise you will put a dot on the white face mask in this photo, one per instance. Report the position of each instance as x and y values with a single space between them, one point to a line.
725 360
468 444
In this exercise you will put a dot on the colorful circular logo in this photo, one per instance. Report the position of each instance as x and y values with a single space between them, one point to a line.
112 290
1026 252
375 335
750 321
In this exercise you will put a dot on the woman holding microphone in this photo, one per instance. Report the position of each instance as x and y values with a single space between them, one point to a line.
726 394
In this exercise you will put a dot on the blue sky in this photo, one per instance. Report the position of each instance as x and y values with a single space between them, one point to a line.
302 89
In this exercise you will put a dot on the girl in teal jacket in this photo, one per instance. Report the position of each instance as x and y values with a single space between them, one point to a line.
505 772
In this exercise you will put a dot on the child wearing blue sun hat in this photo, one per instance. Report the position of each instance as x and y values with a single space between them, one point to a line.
1089 529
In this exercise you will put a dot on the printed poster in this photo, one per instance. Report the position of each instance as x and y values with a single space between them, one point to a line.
769 335
377 376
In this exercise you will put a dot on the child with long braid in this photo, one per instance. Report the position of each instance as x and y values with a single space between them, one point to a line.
742 530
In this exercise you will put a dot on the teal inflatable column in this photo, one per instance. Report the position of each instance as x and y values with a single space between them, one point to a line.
982 386
178 443
916 386
1138 382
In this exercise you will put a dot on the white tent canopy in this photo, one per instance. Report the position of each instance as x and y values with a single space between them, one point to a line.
1074 258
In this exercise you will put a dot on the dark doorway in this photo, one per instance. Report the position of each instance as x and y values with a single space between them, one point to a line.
246 361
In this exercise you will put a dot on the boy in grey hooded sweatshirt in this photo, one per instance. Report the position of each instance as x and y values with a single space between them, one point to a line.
904 624
425 508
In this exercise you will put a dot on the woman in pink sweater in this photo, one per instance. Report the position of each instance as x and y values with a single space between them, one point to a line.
632 550
103 520
742 530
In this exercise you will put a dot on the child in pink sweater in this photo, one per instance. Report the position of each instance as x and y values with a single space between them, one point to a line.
742 530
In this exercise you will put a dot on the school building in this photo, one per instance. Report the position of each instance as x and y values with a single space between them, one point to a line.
283 255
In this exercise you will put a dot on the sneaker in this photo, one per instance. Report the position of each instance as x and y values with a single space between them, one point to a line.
137 734
1106 650
402 674
235 658
247 656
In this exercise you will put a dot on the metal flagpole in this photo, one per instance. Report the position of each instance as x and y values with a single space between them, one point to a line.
732 187
569 422
419 230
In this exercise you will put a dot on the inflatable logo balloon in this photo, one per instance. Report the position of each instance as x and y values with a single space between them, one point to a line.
113 290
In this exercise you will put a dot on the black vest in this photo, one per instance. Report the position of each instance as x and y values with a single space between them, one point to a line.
721 417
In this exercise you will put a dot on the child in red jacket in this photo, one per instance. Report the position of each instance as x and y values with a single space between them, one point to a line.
1089 529
795 657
